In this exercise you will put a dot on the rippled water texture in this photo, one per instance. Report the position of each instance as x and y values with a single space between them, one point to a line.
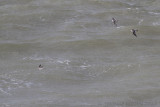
87 61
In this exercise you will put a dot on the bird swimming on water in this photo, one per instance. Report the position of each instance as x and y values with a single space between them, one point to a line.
134 32
40 67
114 21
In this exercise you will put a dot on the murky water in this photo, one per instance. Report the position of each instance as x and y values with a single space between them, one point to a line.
88 62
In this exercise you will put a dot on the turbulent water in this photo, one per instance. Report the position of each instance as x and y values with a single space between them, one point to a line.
87 61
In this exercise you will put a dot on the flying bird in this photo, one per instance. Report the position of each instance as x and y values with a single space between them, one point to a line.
134 32
114 21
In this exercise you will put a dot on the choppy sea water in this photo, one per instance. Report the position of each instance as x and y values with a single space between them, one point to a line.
88 62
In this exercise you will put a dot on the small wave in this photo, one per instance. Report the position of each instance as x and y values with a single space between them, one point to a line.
84 66
4 92
37 58
154 13
9 83
64 61
156 23
140 21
